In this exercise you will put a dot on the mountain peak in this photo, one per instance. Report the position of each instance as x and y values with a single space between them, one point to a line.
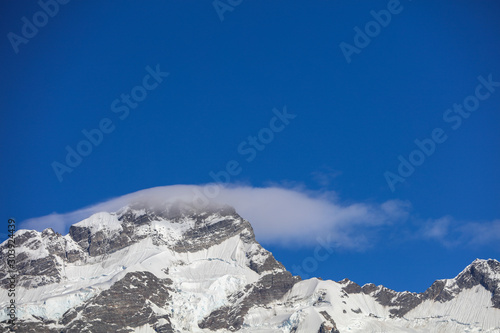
171 208
170 243
492 265
479 271
100 221
175 267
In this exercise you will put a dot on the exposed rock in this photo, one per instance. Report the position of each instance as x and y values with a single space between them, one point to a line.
351 287
478 273
269 288
204 235
33 327
329 325
128 303
139 298
369 288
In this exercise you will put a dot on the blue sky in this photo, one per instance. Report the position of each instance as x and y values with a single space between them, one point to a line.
228 79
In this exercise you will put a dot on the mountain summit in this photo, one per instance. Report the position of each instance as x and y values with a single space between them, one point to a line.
177 268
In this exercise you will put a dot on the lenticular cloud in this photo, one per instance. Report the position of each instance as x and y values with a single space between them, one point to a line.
278 215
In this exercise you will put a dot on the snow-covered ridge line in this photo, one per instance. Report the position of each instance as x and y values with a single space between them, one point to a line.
173 268
62 272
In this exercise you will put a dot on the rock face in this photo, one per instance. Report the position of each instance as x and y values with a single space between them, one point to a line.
398 303
176 268
128 303
328 326
270 287
481 272
124 296
484 273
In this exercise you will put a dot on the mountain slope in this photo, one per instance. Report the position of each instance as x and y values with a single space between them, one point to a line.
176 268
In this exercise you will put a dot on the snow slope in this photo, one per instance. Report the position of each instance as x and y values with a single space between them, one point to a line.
185 269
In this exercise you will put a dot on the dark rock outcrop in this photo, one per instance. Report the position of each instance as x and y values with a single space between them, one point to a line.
269 288
478 273
328 326
128 303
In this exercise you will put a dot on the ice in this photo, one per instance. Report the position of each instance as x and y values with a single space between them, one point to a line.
101 222
202 282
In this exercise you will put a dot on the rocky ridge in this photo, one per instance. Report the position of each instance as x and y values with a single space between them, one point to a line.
176 268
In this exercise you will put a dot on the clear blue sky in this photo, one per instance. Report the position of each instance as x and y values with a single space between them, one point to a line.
225 77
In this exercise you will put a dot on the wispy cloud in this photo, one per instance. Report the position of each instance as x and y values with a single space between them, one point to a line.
325 175
278 215
295 216
482 233
437 229
452 233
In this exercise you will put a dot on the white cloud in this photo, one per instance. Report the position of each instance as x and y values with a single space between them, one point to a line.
278 215
438 228
451 233
481 233
325 175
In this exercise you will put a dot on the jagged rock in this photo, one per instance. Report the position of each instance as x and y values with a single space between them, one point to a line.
476 274
329 325
269 288
128 303
184 291
352 287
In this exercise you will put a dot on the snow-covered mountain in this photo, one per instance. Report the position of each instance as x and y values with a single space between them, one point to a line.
174 268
